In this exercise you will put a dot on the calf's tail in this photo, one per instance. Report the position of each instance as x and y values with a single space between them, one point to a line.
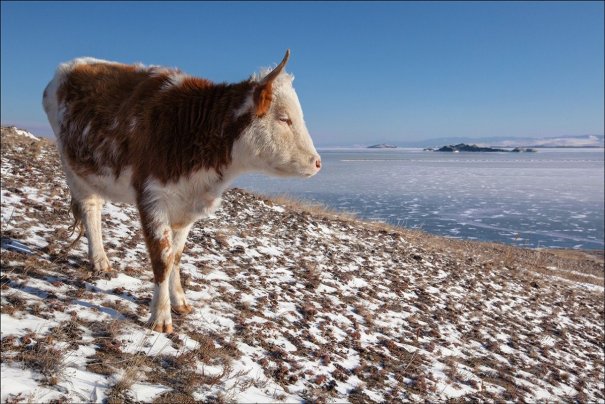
77 223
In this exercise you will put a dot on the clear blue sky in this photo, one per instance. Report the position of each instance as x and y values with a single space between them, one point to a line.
365 71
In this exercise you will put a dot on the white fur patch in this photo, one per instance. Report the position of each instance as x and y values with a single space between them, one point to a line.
160 303
177 295
188 199
140 66
114 124
62 111
174 80
132 125
271 146
166 252
179 238
85 132
54 111
87 60
283 77
106 185
91 213
245 107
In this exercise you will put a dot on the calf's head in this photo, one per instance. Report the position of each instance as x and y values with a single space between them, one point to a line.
277 140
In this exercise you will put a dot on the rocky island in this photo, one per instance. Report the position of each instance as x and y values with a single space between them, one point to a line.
463 147
382 146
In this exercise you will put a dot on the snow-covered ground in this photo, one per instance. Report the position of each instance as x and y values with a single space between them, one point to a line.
291 303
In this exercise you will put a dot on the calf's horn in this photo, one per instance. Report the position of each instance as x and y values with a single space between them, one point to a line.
275 72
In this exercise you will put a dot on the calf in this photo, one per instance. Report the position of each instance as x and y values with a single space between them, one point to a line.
169 143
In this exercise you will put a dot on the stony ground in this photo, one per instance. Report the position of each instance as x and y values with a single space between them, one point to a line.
292 303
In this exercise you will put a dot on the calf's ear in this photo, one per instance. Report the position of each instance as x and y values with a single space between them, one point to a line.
263 94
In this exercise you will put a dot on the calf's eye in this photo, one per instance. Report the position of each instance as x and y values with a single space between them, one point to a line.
286 120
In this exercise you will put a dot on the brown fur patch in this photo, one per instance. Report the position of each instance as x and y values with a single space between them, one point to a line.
179 225
179 129
156 246
263 95
195 125
95 96
166 240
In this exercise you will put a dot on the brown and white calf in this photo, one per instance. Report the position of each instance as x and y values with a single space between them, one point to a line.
169 143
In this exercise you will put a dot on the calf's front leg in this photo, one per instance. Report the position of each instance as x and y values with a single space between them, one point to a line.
177 295
159 239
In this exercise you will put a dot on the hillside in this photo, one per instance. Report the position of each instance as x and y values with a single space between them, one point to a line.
291 303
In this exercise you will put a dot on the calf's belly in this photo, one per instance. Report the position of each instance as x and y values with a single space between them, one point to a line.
107 187
112 189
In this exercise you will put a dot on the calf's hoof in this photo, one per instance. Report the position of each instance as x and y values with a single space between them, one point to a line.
182 309
101 265
163 327
161 322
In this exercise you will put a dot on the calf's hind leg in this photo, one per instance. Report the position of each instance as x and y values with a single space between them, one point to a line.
86 208
90 211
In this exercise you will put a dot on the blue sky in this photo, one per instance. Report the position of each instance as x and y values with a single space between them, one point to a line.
365 72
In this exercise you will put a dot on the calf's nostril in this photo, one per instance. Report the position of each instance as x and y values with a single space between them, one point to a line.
318 163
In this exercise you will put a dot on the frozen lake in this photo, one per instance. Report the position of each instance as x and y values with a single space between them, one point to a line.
553 198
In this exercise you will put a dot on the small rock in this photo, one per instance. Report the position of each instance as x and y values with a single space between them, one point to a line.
238 250
308 310
320 379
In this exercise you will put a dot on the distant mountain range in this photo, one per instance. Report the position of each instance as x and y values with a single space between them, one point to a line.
558 141
495 141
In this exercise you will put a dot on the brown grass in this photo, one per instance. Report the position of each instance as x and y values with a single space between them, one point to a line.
571 265
43 358
386 366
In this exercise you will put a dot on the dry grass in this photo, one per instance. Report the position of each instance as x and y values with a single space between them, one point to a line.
358 303
317 210
131 365
572 265
39 354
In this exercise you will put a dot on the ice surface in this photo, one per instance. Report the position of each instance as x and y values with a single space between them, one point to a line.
553 198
